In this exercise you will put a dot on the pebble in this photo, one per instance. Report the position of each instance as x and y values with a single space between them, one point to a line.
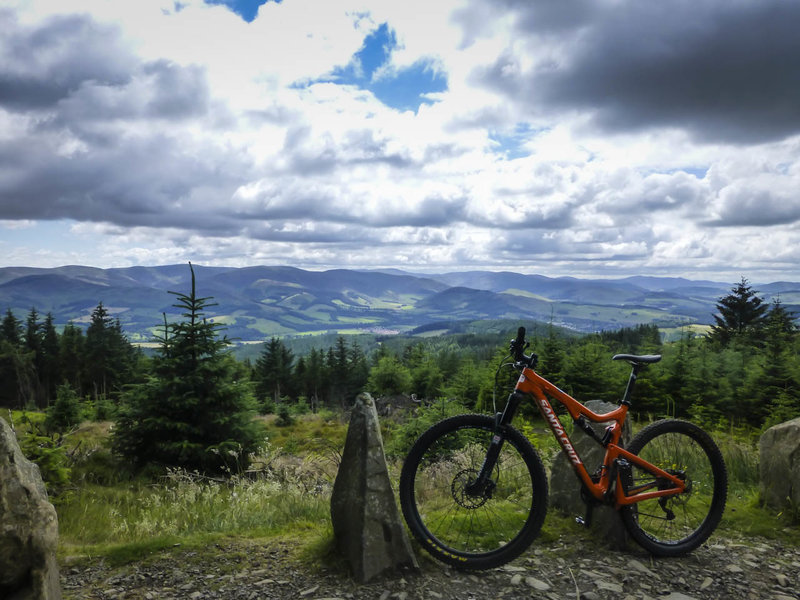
591 574
537 584
609 586
734 569
641 568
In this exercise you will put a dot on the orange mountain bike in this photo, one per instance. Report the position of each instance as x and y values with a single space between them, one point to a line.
474 491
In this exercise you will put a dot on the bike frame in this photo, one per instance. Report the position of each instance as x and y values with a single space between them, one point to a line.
532 384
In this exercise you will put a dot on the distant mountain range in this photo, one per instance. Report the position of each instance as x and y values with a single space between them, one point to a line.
258 302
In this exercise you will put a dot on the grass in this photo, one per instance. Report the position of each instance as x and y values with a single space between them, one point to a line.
283 496
287 496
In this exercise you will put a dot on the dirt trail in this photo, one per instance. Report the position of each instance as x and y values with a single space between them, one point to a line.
565 569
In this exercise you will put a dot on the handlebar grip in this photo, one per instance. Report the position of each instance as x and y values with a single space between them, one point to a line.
518 345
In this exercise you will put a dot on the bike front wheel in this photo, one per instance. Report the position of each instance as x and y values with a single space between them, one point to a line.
463 526
675 525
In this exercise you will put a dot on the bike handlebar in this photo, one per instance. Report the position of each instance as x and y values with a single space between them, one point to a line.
517 348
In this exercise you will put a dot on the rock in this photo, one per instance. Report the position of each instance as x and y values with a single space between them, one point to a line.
537 584
565 487
28 527
734 569
779 465
366 523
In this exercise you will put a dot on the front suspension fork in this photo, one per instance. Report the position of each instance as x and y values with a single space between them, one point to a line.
483 483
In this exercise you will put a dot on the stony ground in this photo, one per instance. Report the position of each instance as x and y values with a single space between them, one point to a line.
565 569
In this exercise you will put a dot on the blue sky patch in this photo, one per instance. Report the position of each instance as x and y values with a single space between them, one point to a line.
511 143
403 89
247 9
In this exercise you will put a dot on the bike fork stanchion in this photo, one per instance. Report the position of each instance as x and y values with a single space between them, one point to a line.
482 482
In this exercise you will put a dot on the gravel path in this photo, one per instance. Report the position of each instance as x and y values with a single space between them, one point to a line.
565 569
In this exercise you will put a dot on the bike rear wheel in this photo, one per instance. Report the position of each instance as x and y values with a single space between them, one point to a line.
675 525
467 528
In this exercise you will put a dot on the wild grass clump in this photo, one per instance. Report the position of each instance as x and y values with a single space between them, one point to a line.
281 493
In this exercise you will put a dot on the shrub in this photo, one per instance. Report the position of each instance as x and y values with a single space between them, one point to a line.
65 411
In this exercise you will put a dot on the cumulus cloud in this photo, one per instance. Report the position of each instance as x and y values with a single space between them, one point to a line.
44 63
576 137
723 71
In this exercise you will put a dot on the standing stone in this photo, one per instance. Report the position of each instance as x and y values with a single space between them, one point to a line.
28 527
779 465
565 487
366 523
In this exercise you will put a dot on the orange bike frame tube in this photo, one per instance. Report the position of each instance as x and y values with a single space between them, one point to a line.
537 386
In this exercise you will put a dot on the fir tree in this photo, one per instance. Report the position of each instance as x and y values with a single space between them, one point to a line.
70 356
49 367
273 371
65 412
741 317
11 359
389 377
195 411
11 329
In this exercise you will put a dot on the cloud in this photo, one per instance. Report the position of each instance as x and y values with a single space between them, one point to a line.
723 71
44 63
756 204
571 137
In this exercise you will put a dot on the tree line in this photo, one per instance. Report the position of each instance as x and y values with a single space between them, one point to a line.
191 403
35 359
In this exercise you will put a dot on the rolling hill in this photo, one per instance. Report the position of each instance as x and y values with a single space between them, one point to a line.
258 302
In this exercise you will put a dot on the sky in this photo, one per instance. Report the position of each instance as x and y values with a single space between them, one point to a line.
587 138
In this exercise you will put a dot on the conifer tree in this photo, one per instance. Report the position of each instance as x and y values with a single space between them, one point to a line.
11 329
49 368
741 316
273 371
11 359
389 377
109 356
195 411
65 411
311 380
71 356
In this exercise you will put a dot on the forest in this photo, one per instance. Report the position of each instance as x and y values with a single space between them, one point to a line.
744 373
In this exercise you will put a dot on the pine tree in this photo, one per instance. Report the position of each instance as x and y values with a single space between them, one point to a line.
11 360
357 370
589 372
273 371
65 412
552 357
11 329
33 345
312 380
49 365
742 315
71 356
389 377
196 410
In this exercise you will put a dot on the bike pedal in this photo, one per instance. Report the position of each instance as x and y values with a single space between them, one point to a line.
581 521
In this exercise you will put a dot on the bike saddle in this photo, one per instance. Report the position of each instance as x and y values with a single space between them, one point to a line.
637 358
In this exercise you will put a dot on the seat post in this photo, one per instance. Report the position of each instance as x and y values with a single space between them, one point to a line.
626 398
